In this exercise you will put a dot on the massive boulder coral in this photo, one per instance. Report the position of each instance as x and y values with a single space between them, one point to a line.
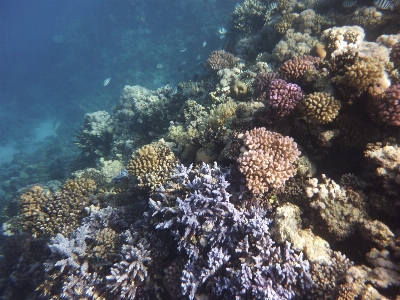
284 96
386 107
268 160
321 108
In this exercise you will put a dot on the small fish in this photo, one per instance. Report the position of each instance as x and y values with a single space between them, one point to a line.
222 36
222 31
160 66
198 57
106 81
349 3
96 261
204 44
271 6
384 4
182 50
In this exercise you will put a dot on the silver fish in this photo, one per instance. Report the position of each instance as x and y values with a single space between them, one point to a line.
222 31
183 49
96 261
384 4
160 66
204 44
106 81
349 3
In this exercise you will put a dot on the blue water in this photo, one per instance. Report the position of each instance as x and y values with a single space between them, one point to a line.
55 55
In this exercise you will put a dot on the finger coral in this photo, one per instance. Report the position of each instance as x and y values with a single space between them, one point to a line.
268 160
321 108
366 74
284 96
152 163
386 107
294 69
220 59
261 85
395 55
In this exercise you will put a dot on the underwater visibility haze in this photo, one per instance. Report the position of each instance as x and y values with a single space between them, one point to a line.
200 149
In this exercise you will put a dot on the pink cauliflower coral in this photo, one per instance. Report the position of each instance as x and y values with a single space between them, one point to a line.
284 96
268 160
386 107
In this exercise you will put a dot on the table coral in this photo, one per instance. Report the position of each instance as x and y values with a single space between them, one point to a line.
284 96
386 107
268 160
321 108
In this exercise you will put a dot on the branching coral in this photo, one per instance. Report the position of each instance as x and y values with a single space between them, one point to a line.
44 212
261 85
386 107
268 160
395 55
321 108
249 16
366 74
220 59
284 96
152 163
294 69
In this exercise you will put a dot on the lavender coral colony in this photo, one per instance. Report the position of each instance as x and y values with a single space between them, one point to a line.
275 176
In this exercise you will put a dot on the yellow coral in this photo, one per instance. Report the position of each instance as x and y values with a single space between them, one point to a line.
152 164
220 115
239 89
321 108
366 74
286 23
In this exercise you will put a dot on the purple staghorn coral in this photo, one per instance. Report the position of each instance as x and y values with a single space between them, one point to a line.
215 234
284 96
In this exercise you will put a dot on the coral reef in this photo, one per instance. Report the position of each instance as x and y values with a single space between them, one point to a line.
220 59
268 160
294 69
261 85
321 108
284 96
395 55
151 164
294 44
386 106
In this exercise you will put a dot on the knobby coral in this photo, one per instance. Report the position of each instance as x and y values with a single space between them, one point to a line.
386 107
294 69
321 108
268 160
284 96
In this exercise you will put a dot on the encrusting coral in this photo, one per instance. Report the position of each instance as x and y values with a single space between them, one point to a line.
321 108
268 160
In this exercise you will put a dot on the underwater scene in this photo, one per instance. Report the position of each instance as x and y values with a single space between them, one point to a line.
200 149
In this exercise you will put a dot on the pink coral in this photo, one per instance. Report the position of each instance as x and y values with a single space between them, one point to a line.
294 69
261 85
269 159
284 96
386 107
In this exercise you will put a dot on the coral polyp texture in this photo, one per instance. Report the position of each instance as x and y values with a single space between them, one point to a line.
152 163
219 60
321 108
262 84
268 160
395 55
284 96
294 69
386 107
365 75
